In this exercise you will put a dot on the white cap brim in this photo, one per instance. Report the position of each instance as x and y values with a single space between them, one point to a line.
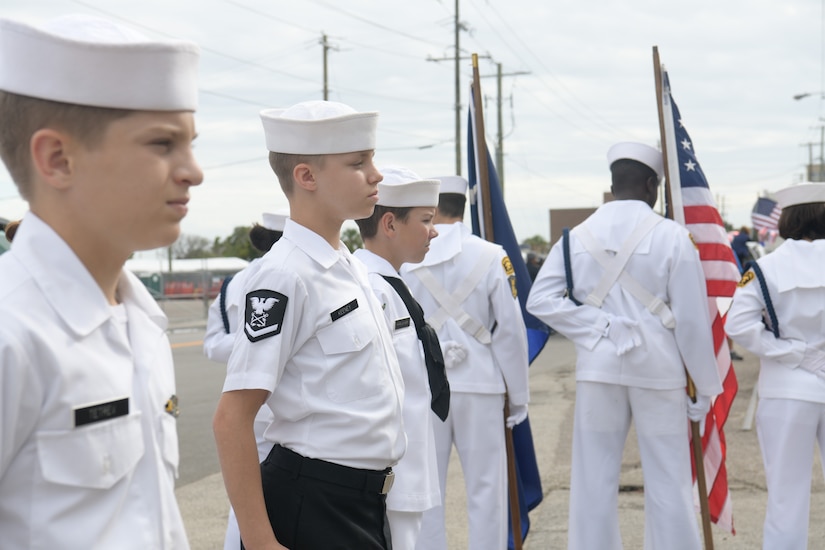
274 221
91 61
319 128
453 184
639 152
804 193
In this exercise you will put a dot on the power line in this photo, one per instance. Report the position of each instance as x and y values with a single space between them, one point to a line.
374 24
587 112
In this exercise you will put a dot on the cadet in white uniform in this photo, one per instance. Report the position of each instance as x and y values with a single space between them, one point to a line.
790 420
400 230
315 347
467 289
222 321
88 441
642 321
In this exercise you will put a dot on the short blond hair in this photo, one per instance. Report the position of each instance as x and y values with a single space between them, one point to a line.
21 116
283 164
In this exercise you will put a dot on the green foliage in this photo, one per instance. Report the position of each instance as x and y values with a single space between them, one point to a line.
537 243
236 245
192 246
352 238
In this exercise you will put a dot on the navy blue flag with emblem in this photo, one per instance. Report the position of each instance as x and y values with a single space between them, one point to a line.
527 471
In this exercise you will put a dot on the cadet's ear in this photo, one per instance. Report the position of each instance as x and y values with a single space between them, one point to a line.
51 158
304 177
387 224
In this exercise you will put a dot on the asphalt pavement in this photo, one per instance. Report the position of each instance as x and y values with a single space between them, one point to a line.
552 384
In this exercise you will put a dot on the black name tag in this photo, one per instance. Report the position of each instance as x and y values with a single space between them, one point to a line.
402 323
101 411
340 312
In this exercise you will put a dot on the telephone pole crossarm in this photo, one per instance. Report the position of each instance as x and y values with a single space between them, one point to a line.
500 133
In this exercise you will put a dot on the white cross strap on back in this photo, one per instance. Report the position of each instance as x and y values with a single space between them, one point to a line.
450 304
614 269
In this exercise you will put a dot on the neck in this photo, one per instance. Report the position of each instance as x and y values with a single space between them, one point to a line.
103 261
384 249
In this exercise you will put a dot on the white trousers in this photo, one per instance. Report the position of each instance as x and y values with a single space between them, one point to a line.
600 427
788 430
404 528
232 539
476 426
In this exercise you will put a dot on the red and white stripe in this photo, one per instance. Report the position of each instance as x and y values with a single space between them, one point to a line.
695 208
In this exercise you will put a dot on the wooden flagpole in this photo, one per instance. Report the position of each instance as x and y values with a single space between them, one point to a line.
696 437
486 218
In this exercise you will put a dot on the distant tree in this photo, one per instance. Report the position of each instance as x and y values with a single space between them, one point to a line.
352 238
236 245
192 246
537 243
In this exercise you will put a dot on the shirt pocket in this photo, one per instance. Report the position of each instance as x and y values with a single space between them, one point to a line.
95 456
355 363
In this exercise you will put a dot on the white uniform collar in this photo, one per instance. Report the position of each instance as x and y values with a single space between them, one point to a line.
613 221
313 244
375 263
66 283
446 246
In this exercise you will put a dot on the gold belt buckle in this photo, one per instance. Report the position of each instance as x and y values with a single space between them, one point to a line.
388 481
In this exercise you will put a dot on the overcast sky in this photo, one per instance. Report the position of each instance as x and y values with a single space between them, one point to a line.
734 68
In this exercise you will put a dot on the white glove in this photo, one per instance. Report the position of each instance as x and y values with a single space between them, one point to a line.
517 415
814 361
454 353
622 332
699 410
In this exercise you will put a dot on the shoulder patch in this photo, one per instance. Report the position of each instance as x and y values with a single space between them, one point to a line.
264 314
747 277
511 274
507 265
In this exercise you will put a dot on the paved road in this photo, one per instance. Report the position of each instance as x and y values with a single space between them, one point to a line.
204 504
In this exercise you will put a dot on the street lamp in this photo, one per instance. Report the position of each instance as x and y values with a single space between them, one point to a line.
803 95
815 172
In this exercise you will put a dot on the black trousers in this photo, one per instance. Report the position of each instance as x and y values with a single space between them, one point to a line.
317 505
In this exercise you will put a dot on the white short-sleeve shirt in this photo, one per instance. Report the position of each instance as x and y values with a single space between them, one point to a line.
315 338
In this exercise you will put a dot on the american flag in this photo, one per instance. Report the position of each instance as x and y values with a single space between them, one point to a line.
693 206
765 214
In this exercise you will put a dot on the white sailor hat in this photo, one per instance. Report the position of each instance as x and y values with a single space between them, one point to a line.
402 187
87 60
274 221
319 128
802 193
639 152
453 184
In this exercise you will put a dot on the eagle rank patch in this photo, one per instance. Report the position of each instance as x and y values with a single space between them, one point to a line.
264 316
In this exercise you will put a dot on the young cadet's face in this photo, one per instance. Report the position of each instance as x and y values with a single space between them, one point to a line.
415 234
136 182
349 184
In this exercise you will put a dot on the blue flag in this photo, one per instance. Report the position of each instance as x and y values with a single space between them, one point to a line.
527 472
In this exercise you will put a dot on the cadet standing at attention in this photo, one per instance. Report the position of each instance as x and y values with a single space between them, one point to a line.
467 289
96 130
778 314
222 325
630 293
399 231
315 347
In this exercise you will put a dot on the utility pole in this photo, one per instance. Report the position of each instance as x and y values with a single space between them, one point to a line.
457 28
326 47
500 133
